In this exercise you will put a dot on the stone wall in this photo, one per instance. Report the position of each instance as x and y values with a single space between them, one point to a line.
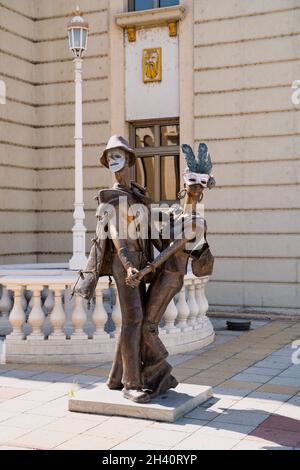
39 120
246 56
55 95
18 176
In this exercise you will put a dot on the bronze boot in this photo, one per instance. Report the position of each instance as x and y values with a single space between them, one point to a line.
138 396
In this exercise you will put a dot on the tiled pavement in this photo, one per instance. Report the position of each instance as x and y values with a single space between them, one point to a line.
255 405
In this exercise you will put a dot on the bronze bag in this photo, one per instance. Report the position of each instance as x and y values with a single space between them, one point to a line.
202 261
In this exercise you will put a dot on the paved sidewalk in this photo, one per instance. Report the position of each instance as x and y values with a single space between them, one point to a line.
255 405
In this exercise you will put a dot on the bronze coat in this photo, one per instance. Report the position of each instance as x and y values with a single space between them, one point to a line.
102 251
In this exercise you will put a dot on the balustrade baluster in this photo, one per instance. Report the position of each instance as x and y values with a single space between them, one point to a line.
17 316
49 302
204 301
169 317
79 318
99 315
57 317
37 316
183 311
192 303
198 296
5 307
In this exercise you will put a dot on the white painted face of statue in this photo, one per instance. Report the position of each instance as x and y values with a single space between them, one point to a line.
116 159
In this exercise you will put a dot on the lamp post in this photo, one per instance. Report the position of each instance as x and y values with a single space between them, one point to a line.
78 35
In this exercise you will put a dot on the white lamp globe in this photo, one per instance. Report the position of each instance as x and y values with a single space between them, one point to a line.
78 34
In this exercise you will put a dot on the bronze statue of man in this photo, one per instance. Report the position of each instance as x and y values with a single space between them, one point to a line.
121 252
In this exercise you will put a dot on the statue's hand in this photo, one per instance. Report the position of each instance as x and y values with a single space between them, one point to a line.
133 278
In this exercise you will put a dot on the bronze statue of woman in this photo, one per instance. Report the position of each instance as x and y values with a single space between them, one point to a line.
187 229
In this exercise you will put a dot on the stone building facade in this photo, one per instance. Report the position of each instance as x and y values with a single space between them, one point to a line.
227 76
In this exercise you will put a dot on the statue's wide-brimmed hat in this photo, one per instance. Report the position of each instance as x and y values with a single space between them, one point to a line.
117 141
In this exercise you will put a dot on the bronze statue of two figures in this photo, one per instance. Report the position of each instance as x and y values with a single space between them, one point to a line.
123 248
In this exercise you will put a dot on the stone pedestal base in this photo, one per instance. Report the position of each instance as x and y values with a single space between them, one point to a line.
168 407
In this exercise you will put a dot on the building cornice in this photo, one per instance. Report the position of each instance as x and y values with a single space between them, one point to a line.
167 16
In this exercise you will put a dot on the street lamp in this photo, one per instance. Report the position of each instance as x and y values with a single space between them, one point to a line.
78 35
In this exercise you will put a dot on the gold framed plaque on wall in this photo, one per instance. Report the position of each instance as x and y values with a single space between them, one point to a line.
152 65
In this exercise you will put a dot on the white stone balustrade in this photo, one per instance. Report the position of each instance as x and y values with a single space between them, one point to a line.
185 324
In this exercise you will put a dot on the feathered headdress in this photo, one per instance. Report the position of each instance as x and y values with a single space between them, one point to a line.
200 164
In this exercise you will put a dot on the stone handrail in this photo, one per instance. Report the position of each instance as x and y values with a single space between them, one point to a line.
43 324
